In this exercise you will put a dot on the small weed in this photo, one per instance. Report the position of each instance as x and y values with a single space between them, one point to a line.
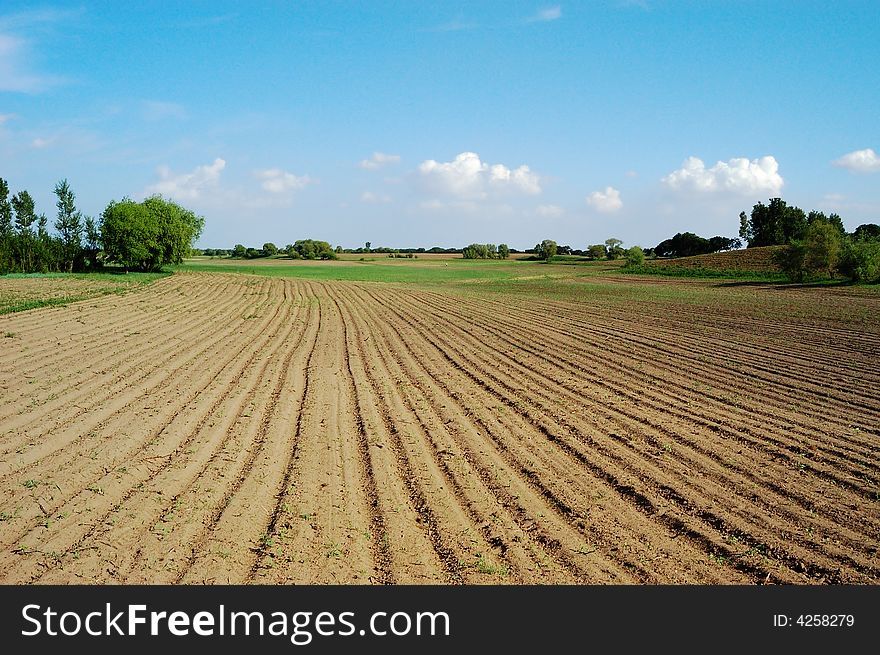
9 335
95 489
31 484
333 549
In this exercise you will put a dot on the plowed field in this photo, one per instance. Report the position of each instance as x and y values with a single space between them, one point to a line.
225 428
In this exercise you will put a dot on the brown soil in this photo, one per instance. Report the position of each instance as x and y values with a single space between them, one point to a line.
236 429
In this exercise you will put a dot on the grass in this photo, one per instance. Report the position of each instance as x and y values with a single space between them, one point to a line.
699 272
20 292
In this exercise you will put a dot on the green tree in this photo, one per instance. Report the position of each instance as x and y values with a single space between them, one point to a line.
635 256
367 246
5 210
817 253
546 250
613 248
23 205
866 232
239 251
269 249
773 224
823 243
312 249
860 259
146 236
596 251
503 251
69 224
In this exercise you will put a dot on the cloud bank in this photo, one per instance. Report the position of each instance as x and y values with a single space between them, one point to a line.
859 161
738 175
467 177
607 201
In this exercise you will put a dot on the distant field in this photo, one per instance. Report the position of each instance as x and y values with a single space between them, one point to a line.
748 263
441 269
485 422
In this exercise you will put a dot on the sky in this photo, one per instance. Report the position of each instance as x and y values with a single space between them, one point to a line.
415 123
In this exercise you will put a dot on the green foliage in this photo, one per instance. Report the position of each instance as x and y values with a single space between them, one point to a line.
269 249
596 251
866 232
688 244
773 224
148 235
480 251
69 224
635 256
240 252
312 249
503 251
546 250
860 259
814 255
614 248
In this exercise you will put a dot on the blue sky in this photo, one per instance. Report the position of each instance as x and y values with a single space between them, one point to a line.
444 123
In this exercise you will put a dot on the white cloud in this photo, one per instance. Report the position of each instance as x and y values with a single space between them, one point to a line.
40 142
859 161
545 15
378 160
468 177
549 211
375 198
187 186
276 180
606 201
632 174
6 117
739 175
155 110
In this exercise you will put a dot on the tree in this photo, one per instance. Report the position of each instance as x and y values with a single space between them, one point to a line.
69 224
613 248
5 210
635 256
146 236
773 224
818 252
503 251
239 251
860 259
823 243
866 232
269 249
719 243
311 249
367 246
596 251
93 242
546 250
23 205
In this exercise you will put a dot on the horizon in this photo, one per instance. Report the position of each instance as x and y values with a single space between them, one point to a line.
447 124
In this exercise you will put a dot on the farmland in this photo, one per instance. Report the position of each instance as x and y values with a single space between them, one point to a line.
418 422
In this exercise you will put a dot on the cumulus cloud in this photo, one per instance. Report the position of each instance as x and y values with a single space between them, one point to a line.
859 161
739 175
187 186
378 160
375 198
549 211
276 180
546 15
606 201
468 177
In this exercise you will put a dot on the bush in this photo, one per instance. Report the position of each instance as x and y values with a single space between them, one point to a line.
546 250
635 256
145 236
860 260
311 249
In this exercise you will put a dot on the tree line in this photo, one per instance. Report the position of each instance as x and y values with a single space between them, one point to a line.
815 244
142 236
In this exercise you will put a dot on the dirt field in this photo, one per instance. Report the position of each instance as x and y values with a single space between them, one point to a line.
221 428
